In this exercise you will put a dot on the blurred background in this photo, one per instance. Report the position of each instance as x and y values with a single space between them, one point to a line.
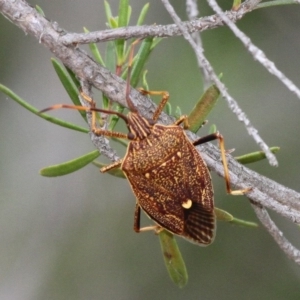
71 237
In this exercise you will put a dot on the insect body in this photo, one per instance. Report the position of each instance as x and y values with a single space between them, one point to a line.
169 178
170 181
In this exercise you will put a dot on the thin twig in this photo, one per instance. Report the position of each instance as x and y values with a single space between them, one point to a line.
290 250
231 102
192 13
257 53
198 25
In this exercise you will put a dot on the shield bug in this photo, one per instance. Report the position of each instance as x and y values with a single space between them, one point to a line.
168 176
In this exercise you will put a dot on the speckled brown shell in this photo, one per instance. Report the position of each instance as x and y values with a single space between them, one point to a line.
172 183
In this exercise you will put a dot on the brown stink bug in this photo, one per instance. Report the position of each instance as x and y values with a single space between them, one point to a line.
168 176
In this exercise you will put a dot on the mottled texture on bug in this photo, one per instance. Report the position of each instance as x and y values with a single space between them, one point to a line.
170 180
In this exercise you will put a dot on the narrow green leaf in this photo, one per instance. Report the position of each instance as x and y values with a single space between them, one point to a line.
74 78
142 15
236 4
39 10
68 84
223 215
114 172
212 129
178 112
202 108
173 259
105 105
122 22
34 110
95 51
123 13
107 11
139 63
275 3
169 108
145 83
254 156
113 22
240 222
129 15
69 166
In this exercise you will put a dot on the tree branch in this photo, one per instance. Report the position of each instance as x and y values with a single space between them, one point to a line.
170 30
265 192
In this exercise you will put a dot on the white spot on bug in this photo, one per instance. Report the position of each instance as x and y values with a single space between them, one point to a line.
187 204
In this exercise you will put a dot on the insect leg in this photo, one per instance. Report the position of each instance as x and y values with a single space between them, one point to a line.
116 164
137 219
218 136
99 131
183 119
165 97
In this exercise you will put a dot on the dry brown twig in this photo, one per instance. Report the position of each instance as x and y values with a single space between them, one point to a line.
265 193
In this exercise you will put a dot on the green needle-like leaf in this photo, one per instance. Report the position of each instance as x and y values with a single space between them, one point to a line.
244 223
202 108
212 129
74 78
223 215
275 3
70 166
173 259
139 63
168 109
34 110
39 10
123 13
178 112
113 22
107 10
254 156
142 15
68 84
129 14
122 22
236 4
95 51
145 83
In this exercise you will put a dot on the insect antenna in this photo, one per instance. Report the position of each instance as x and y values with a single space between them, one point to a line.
129 68
84 108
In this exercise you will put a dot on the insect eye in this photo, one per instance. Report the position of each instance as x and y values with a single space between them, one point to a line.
131 136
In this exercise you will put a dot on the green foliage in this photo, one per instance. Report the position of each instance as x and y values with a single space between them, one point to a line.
70 166
173 259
